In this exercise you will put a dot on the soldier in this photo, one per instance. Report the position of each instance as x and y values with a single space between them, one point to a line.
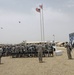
13 51
50 49
1 51
69 49
40 53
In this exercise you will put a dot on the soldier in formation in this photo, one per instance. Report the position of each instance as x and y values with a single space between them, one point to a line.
1 51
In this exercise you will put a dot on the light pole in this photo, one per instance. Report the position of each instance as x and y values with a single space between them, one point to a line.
53 38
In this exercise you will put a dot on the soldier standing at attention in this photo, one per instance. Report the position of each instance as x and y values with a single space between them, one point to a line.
40 53
69 49
1 51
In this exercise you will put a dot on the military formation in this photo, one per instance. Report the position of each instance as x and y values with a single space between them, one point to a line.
28 50
39 50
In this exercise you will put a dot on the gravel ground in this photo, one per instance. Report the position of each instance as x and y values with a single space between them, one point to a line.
57 65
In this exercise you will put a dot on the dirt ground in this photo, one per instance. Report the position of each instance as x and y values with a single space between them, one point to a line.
57 65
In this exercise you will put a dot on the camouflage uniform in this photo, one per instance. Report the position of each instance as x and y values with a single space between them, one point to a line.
69 51
40 52
1 51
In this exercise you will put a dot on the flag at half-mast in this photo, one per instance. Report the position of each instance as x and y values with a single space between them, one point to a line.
41 6
37 9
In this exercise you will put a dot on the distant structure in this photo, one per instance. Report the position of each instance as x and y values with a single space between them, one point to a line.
71 38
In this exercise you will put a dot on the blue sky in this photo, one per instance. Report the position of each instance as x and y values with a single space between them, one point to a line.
58 20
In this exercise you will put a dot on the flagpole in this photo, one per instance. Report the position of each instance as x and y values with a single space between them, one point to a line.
40 25
43 24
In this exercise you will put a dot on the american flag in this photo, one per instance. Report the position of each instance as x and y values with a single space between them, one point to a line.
37 9
41 6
